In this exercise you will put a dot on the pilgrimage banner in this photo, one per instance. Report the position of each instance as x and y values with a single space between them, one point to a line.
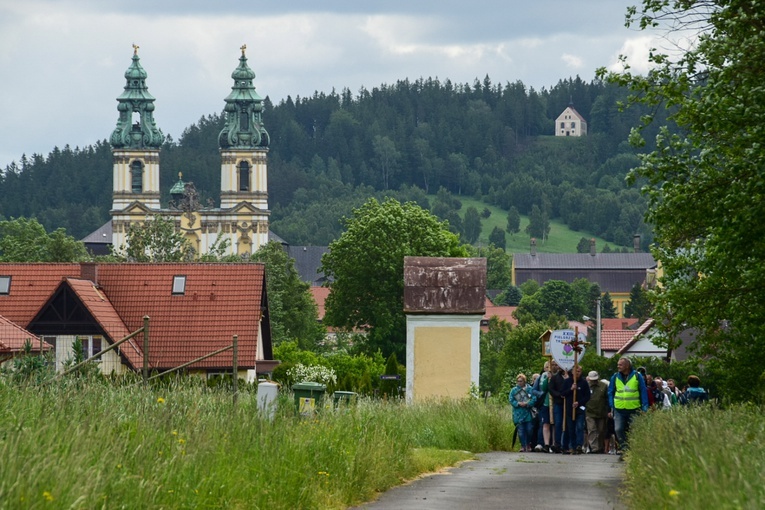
563 353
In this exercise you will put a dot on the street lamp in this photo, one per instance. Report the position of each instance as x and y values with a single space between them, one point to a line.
597 327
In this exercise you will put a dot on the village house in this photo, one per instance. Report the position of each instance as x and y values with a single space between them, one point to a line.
615 273
193 310
570 123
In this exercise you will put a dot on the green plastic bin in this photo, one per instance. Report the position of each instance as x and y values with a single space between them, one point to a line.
309 397
344 398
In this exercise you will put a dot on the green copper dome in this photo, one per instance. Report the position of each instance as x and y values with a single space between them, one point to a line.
244 126
179 187
135 99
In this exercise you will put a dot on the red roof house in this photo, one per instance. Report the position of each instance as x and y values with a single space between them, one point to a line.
193 309
12 340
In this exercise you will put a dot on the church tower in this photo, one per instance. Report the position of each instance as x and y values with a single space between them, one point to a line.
135 152
244 148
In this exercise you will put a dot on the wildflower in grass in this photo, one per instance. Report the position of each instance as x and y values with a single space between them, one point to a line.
47 496
181 440
674 493
323 473
175 432
119 466
160 400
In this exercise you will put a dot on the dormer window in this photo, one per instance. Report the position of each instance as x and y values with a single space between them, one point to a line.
136 176
5 285
179 285
244 176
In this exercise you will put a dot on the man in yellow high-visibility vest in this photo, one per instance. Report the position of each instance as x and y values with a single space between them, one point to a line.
627 396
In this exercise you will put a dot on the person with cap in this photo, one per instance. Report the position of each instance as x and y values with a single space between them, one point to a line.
627 396
596 413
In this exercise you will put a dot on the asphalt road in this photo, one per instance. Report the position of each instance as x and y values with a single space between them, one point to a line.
502 480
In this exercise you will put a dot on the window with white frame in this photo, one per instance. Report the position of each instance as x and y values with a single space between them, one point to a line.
179 284
91 345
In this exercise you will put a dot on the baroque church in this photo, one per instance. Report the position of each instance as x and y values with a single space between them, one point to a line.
241 221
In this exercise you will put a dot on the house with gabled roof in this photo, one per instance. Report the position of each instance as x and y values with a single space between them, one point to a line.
570 123
13 339
193 310
633 342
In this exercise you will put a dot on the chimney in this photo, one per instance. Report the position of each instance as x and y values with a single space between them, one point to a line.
533 246
89 271
592 246
636 243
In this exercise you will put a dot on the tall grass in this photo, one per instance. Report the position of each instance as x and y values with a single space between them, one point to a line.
698 457
93 445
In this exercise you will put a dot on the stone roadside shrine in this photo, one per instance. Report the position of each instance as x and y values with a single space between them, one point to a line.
444 301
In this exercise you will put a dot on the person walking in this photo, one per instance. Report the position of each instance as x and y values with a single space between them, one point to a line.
543 398
580 389
627 396
597 413
695 394
560 388
522 400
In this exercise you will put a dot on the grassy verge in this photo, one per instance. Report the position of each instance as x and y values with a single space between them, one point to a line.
97 446
699 457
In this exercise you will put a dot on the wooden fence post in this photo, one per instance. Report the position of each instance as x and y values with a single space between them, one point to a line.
145 349
235 366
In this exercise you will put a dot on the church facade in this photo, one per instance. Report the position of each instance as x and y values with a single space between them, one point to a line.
241 222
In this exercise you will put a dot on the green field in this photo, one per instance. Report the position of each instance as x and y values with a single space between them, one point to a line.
561 240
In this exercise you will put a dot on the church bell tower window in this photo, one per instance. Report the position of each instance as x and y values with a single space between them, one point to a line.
244 176
136 173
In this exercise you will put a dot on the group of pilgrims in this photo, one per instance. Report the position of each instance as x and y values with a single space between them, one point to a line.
562 411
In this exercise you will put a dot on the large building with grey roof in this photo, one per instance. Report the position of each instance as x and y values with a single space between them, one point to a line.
616 273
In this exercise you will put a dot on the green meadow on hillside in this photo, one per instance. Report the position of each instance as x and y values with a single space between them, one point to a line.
562 239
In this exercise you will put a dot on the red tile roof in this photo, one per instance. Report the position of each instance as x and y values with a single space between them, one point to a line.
31 286
13 337
648 324
614 339
107 317
619 340
220 300
623 323
504 313
320 296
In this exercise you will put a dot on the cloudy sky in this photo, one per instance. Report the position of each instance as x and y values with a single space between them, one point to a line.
63 61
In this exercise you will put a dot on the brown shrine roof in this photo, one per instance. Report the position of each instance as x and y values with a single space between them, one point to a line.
444 285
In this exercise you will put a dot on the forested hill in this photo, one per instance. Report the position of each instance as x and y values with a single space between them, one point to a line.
330 152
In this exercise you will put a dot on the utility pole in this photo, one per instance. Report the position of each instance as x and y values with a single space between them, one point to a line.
597 332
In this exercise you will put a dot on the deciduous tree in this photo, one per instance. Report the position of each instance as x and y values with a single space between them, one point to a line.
25 240
705 186
366 267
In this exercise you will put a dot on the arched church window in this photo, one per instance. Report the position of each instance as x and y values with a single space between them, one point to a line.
136 174
244 176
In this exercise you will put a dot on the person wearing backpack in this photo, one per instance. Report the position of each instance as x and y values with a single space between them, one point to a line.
695 394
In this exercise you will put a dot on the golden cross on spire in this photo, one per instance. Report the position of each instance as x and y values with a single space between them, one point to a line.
180 175
243 47
135 49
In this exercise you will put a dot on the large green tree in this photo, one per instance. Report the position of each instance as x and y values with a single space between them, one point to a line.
156 240
293 312
25 240
706 186
366 267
